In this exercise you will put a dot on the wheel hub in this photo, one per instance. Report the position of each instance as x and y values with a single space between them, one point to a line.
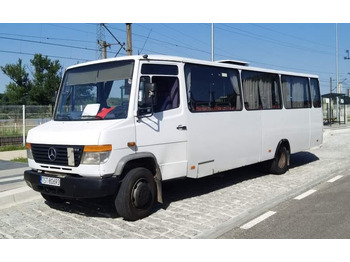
282 160
141 194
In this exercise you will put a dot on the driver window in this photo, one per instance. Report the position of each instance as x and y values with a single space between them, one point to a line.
165 76
168 93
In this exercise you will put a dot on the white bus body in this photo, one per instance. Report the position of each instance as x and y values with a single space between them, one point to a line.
123 125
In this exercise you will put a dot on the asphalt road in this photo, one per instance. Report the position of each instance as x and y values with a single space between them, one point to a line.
323 212
7 165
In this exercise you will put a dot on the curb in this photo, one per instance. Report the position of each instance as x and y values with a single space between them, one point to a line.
16 196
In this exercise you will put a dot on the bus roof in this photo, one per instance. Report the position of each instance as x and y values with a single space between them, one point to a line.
222 63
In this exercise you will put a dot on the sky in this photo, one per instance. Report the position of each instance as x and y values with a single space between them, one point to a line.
298 47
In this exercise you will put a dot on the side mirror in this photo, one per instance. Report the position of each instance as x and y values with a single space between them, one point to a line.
148 100
151 94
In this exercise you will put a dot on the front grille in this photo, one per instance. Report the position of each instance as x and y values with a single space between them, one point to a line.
41 154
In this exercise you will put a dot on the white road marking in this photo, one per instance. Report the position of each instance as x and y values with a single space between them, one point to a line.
258 220
307 193
334 179
14 178
16 171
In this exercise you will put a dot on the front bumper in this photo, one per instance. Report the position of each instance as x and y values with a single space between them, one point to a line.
73 186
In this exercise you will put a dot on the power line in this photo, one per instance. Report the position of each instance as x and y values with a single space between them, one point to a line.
270 40
164 42
224 53
48 38
140 51
90 49
188 36
53 56
292 36
69 28
119 43
47 43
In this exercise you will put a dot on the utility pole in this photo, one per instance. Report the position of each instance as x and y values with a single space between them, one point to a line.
128 39
330 85
337 68
119 43
100 38
101 42
336 55
104 46
212 42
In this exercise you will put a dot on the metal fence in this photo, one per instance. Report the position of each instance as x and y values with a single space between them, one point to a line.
16 121
333 114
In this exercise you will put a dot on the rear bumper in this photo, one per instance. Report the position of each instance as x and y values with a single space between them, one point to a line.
73 186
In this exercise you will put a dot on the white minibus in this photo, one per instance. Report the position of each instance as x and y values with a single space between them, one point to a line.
121 126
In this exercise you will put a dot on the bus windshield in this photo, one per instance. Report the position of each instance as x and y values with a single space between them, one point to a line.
95 92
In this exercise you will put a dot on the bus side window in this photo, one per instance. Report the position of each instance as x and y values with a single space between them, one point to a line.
261 90
315 93
212 89
295 92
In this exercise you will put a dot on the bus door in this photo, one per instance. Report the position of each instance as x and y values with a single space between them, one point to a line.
162 131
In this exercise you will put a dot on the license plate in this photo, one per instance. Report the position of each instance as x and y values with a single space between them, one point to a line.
51 181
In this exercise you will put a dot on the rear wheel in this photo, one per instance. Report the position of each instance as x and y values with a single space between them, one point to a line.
280 164
136 195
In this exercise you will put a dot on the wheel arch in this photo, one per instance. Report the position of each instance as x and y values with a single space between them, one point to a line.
283 142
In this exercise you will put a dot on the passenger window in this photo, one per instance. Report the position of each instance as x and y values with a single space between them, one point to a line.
315 93
212 88
295 92
261 90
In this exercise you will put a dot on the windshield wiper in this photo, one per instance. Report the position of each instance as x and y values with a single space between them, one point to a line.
63 117
92 117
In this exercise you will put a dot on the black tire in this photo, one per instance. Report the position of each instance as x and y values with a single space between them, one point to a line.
136 195
280 164
53 199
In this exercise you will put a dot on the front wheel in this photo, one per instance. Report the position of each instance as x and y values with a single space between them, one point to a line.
136 195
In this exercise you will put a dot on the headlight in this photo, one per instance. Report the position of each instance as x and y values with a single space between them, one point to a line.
95 155
29 150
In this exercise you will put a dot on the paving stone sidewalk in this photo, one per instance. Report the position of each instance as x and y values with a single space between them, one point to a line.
203 208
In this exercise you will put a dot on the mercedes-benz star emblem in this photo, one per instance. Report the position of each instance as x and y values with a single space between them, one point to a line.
51 153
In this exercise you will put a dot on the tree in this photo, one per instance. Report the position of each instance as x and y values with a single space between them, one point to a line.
17 92
39 90
46 79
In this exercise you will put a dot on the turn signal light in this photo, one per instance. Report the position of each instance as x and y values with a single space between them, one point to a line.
29 150
131 144
102 148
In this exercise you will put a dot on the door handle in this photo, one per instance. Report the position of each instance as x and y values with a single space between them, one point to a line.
181 127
